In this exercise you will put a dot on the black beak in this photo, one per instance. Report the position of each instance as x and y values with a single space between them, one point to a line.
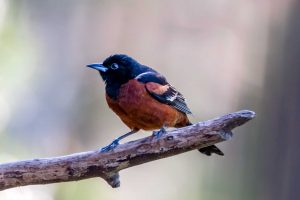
98 66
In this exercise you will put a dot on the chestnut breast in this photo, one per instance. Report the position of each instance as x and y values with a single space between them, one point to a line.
139 110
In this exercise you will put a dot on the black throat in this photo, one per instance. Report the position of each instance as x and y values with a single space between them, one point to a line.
113 89
113 85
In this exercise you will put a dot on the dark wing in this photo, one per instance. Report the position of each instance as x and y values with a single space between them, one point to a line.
161 90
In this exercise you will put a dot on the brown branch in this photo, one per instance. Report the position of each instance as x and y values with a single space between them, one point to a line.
107 165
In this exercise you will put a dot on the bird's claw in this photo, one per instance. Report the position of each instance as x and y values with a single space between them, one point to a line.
111 146
159 133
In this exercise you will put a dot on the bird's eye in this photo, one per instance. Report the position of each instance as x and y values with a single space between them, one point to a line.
114 66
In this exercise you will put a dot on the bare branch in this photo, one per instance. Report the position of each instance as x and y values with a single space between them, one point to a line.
107 165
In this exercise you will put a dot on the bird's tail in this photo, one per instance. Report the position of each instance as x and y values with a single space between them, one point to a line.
209 149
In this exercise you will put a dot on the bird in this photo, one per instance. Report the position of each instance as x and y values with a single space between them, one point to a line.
143 99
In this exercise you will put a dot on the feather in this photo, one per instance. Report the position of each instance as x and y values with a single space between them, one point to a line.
161 90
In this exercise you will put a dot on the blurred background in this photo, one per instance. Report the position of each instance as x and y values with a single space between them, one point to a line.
223 55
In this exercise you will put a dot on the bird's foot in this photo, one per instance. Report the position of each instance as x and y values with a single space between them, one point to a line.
111 146
159 133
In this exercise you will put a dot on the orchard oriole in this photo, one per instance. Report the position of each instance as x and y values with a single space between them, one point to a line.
143 98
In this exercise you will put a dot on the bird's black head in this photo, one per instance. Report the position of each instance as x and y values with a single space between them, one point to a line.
118 69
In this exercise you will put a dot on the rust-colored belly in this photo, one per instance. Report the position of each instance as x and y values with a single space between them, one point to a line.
138 110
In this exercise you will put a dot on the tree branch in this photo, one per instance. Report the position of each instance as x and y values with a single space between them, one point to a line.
107 165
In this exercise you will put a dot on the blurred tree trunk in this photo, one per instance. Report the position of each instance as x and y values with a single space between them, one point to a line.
277 154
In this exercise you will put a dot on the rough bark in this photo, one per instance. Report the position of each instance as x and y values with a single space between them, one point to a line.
107 165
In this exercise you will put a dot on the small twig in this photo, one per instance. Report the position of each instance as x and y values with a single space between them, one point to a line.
107 165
